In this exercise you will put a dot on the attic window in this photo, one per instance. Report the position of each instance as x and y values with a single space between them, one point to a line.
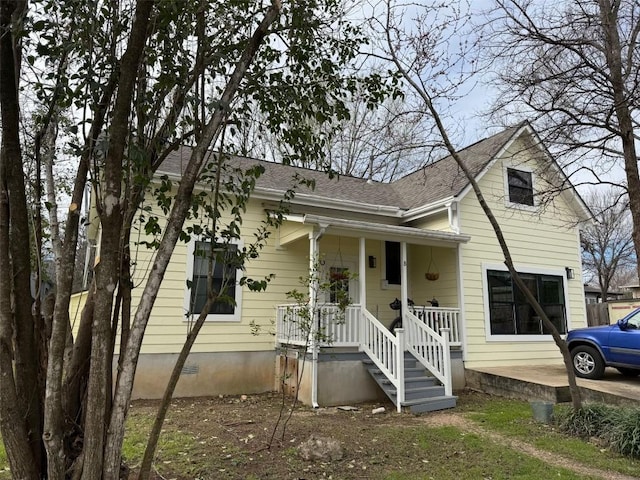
520 187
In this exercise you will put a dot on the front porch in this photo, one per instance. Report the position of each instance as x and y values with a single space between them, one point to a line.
417 366
383 265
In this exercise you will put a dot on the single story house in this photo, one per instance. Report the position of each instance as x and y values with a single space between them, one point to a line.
593 294
423 237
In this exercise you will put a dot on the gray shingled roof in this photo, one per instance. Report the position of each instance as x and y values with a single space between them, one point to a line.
444 178
280 177
436 181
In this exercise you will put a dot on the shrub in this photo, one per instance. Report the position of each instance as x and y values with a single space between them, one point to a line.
618 426
625 434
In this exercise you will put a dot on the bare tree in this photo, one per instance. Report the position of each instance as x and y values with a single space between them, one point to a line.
415 51
380 143
134 79
607 247
573 68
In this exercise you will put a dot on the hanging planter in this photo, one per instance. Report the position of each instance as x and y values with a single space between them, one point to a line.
432 271
339 275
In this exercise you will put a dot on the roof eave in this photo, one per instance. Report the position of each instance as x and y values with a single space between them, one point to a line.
425 210
330 203
386 232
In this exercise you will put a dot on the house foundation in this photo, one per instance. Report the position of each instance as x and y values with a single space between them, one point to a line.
206 374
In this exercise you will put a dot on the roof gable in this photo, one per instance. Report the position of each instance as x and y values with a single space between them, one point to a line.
444 178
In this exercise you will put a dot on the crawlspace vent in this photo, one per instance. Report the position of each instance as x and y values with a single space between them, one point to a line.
190 370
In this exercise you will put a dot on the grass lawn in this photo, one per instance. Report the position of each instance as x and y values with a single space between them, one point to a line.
225 438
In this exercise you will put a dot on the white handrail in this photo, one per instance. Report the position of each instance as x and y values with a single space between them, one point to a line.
383 348
291 325
438 318
430 348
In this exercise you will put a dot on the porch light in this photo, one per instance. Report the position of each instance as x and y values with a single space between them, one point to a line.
570 274
373 261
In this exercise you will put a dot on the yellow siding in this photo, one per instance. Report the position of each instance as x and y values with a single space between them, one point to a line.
419 288
292 231
168 325
538 239
423 259
76 305
438 221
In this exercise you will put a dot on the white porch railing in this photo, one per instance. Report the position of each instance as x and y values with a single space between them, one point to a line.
438 318
360 328
430 348
291 328
385 350
292 325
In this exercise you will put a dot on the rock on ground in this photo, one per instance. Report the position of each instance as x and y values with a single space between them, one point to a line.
320 448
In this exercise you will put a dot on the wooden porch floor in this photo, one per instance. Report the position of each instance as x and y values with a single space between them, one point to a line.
549 383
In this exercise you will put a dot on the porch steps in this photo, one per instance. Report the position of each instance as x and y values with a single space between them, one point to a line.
422 391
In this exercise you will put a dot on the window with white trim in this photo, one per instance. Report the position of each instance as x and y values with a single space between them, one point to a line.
520 184
206 257
509 312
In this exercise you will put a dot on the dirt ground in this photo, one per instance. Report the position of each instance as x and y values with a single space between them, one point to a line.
229 438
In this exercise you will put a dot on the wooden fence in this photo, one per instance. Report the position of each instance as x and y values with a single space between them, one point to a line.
597 314
610 312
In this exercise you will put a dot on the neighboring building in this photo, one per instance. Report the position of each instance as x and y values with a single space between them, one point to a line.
593 294
632 290
421 237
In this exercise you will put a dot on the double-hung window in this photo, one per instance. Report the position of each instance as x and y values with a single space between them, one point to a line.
520 185
511 314
215 261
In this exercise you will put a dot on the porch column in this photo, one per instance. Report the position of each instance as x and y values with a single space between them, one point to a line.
404 290
362 273
314 261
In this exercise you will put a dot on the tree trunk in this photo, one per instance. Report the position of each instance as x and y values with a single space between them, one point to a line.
561 344
96 465
124 383
613 53
77 371
22 444
27 355
154 435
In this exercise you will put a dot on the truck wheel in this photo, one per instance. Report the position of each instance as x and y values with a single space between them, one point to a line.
587 362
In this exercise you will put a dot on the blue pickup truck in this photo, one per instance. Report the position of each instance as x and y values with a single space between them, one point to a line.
594 348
